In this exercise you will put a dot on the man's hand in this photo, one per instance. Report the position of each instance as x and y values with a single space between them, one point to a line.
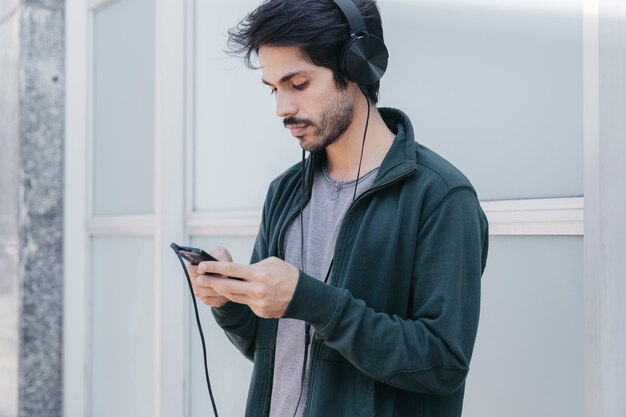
204 292
267 286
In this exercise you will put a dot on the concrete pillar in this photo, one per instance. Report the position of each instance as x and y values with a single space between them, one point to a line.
42 112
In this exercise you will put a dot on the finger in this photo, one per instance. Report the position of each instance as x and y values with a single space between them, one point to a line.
211 298
221 254
204 282
192 270
227 285
206 292
238 298
230 288
213 301
229 269
205 266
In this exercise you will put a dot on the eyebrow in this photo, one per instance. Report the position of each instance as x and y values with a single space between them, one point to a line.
286 77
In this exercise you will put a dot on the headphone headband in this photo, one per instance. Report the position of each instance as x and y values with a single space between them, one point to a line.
349 10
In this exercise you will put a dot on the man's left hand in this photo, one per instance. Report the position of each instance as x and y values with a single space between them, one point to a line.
267 287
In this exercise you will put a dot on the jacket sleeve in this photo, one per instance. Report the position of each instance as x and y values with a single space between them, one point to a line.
237 320
428 352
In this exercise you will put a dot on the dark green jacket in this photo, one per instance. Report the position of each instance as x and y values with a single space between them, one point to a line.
395 329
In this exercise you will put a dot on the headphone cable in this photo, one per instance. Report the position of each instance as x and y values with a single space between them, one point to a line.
195 308
367 121
307 326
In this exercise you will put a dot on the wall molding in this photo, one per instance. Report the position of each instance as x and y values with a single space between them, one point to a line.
232 223
97 5
138 225
540 216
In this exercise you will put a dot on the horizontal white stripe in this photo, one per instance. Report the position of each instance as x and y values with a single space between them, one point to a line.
545 216
96 5
139 225
238 223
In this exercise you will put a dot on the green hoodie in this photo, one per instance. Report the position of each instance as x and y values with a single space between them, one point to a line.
395 327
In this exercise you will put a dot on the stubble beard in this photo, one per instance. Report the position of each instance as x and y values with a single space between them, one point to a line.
333 122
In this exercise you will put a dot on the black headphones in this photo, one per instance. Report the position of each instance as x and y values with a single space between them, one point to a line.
364 56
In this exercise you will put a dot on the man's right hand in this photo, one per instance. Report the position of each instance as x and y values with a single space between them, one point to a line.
201 289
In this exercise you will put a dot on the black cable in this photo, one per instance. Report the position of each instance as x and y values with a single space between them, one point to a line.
307 342
195 308
367 121
301 219
306 329
307 326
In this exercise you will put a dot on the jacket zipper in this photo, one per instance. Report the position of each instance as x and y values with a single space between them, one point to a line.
292 216
281 235
314 345
350 209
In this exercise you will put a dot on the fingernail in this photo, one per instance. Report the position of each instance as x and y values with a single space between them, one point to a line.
200 279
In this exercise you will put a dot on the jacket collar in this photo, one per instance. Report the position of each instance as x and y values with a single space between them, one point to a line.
399 161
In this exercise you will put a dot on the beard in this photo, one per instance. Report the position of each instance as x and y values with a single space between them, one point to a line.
334 120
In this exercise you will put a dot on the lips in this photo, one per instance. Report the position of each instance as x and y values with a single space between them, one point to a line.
297 130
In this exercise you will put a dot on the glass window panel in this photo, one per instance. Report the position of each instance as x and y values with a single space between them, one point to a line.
528 358
122 342
123 135
9 330
496 89
229 371
240 144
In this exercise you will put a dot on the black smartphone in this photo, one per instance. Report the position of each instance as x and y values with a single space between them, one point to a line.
192 255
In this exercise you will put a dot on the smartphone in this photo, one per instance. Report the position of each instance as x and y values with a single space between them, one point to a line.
192 255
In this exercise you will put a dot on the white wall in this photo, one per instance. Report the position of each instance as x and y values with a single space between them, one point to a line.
496 89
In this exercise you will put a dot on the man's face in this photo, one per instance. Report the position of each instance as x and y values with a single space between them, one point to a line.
307 98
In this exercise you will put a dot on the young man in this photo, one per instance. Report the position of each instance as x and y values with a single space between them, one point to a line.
362 297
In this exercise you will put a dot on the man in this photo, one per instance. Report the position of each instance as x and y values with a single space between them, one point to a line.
362 296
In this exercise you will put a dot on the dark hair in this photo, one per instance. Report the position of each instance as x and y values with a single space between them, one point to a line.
317 27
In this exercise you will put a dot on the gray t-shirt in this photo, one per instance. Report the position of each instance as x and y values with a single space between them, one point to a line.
322 219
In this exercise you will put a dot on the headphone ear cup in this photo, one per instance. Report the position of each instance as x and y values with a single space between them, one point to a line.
364 59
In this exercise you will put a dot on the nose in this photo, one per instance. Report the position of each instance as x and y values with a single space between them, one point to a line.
285 106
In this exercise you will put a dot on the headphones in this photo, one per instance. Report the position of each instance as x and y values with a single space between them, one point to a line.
364 56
